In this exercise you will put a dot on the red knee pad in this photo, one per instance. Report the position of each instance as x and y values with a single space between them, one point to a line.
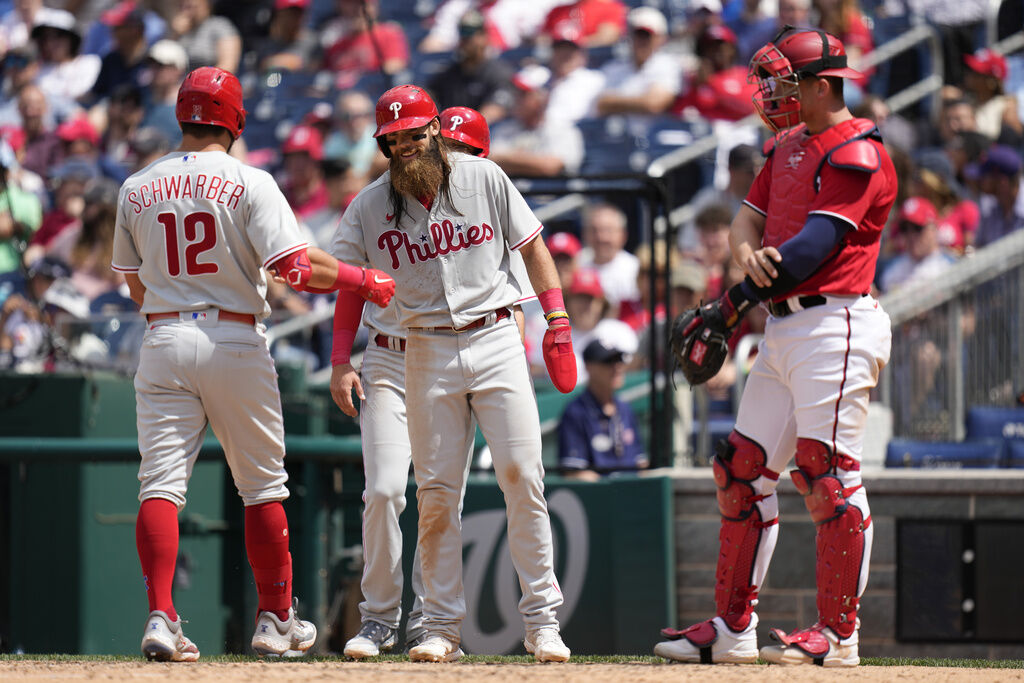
737 463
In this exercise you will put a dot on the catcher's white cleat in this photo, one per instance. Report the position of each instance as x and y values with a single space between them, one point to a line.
815 645
710 642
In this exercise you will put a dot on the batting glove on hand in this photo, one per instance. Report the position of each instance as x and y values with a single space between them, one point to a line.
378 287
558 355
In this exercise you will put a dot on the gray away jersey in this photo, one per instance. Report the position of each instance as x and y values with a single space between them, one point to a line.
198 229
449 269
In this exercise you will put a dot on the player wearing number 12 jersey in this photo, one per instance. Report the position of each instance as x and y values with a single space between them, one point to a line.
194 231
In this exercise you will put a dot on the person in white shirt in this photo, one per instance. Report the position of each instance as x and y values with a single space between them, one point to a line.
573 87
922 259
604 236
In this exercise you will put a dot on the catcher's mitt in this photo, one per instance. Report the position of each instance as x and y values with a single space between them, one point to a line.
698 341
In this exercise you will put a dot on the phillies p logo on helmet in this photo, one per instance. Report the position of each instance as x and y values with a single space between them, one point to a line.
396 107
456 122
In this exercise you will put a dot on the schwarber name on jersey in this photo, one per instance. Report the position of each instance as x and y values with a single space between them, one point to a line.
450 267
198 229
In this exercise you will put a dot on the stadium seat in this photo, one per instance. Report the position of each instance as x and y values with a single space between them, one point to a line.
1014 454
978 454
995 422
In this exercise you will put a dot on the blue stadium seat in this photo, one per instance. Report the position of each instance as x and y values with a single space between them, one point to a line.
995 422
1014 454
609 146
979 454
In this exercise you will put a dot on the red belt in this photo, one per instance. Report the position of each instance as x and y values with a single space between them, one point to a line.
229 316
385 342
499 314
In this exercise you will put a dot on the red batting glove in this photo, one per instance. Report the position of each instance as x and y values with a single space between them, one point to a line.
378 287
558 355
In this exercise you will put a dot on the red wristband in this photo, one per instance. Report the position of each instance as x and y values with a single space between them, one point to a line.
348 311
551 300
349 278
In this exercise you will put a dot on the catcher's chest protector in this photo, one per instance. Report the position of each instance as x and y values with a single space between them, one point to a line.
795 168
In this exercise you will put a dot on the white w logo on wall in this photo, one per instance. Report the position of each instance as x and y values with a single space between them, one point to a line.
487 556
396 107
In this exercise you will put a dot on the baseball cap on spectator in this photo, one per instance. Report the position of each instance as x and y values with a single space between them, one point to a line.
471 23
585 281
75 169
62 20
531 77
127 12
62 295
647 19
1001 160
49 266
78 128
564 244
304 139
291 4
690 275
603 351
917 211
718 32
149 140
322 114
567 32
167 52
102 191
710 6
987 63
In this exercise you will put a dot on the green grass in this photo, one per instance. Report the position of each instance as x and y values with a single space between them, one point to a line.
525 659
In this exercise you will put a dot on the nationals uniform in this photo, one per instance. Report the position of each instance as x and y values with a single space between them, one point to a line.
453 271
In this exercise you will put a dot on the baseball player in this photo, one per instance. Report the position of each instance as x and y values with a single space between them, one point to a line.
382 425
807 237
442 223
194 230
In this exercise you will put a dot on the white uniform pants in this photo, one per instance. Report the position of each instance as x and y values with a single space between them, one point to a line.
219 373
450 378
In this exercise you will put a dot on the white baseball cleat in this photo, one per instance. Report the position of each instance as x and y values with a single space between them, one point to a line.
818 644
435 648
710 642
545 644
372 639
164 640
276 638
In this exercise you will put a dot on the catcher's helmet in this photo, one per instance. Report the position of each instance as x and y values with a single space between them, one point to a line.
212 96
779 65
468 126
401 108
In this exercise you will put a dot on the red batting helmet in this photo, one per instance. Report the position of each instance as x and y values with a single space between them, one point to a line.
401 108
468 126
779 65
212 96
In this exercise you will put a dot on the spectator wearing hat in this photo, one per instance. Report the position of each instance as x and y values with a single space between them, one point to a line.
573 87
648 80
477 78
352 137
208 40
147 145
995 111
80 141
923 258
564 246
744 162
587 23
591 313
167 63
289 45
353 49
605 233
16 24
718 89
598 434
304 187
126 63
20 215
64 74
1002 204
43 150
958 215
527 143
99 34
18 68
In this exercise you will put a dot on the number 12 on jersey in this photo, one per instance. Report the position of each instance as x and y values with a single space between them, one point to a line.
195 244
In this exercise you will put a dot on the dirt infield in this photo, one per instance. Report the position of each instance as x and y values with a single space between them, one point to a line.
246 672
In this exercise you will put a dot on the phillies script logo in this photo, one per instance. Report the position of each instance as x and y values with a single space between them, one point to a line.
456 122
444 238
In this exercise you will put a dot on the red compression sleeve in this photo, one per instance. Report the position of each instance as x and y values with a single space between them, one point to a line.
297 270
348 311
553 304
156 538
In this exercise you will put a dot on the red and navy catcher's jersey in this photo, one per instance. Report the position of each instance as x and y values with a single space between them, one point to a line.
843 172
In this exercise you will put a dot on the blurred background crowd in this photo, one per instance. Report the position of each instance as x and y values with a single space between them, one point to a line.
88 92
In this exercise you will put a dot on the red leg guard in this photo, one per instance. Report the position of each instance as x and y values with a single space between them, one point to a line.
737 464
840 533
266 544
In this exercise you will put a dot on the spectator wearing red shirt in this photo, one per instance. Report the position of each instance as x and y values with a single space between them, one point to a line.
957 217
353 50
590 23
719 88
304 189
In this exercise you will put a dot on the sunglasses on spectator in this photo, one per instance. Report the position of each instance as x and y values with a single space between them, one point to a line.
911 228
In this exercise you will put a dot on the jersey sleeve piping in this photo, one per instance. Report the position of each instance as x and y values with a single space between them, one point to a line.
124 269
525 299
518 245
763 213
835 215
285 252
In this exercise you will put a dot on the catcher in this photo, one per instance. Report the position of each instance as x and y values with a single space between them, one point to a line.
807 238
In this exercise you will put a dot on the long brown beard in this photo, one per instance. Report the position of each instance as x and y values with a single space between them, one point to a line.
421 177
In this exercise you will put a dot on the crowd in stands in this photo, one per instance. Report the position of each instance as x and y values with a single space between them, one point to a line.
88 91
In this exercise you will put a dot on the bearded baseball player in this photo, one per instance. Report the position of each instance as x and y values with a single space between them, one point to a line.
380 384
442 223
194 231
807 237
